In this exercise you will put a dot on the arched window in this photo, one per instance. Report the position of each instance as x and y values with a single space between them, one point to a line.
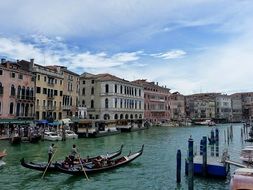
31 93
126 116
116 116
92 104
116 103
23 92
83 103
19 91
70 101
136 116
140 116
121 116
131 116
11 108
106 116
18 109
13 90
106 103
107 88
121 89
27 93
92 90
0 106
1 89
83 92
115 88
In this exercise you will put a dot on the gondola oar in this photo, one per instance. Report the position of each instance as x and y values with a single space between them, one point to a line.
83 167
48 164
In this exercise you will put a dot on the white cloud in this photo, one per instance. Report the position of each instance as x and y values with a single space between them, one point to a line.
173 54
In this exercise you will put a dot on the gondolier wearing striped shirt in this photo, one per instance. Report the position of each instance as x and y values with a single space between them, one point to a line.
50 152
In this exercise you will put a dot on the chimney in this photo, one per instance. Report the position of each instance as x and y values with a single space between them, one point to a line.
157 83
3 60
32 61
17 60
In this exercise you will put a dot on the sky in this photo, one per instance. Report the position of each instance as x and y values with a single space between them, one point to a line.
191 46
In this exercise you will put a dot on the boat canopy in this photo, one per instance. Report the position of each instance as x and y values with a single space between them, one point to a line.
14 121
41 122
55 123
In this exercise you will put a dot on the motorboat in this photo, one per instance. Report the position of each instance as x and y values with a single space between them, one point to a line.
52 136
247 154
242 179
205 122
70 134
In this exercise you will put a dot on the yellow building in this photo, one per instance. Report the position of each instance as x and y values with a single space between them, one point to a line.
70 91
49 92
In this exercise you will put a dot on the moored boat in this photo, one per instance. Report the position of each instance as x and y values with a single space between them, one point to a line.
247 154
15 139
41 166
2 155
242 179
96 166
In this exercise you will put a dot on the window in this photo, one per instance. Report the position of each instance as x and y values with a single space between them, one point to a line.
0 106
92 104
1 72
1 89
55 93
45 79
38 102
38 77
107 88
44 91
116 102
38 90
121 89
20 76
60 93
12 75
13 91
115 88
83 81
83 92
92 81
55 81
11 108
92 90
106 103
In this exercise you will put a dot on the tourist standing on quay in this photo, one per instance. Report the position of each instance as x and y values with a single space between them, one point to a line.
50 152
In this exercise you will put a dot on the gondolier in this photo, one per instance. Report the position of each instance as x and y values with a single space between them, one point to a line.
50 152
73 154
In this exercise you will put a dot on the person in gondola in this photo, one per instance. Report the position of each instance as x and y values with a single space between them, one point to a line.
73 154
50 152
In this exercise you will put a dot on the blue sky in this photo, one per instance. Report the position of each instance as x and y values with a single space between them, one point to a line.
190 46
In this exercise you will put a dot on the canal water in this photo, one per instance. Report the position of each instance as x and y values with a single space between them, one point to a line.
154 170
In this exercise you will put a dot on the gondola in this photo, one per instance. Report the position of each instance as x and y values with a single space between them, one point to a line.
35 138
15 140
99 166
41 166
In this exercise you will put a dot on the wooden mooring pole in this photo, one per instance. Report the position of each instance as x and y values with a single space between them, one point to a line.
178 166
204 166
190 164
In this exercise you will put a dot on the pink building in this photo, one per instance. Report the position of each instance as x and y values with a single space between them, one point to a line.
16 91
156 101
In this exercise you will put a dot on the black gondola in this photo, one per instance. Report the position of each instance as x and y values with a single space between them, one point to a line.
15 140
96 166
41 166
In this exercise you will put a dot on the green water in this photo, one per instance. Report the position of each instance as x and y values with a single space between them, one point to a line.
155 169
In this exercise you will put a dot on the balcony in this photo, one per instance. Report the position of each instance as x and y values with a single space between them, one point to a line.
50 97
65 107
50 108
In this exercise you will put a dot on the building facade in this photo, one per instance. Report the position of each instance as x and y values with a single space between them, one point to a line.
70 98
236 102
223 108
16 91
177 106
49 92
109 97
156 101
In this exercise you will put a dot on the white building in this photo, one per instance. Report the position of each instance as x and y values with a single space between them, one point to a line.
223 108
109 97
